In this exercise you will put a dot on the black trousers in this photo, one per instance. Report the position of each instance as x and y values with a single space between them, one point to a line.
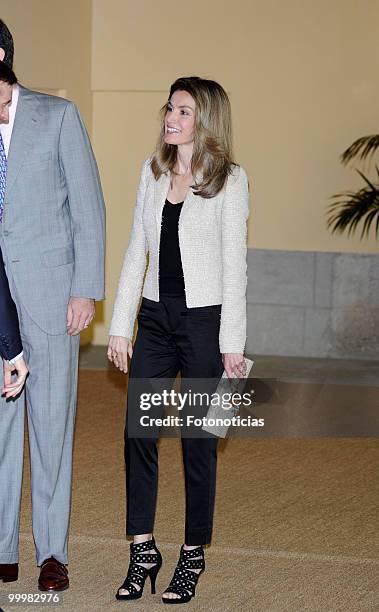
173 338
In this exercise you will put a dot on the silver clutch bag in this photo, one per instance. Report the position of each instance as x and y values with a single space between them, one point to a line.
217 421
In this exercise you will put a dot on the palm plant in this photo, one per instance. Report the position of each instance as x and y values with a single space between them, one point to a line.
351 207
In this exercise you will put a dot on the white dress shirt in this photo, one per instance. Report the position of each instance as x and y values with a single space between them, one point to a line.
7 128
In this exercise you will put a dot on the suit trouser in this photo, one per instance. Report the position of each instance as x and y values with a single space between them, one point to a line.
51 404
173 338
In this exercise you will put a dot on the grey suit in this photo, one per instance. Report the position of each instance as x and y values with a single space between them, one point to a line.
52 239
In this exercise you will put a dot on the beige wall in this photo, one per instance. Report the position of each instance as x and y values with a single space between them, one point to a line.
300 74
53 47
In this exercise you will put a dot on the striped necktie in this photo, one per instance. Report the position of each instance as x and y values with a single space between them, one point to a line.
3 175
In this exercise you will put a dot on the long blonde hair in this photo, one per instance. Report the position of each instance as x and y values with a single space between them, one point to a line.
212 156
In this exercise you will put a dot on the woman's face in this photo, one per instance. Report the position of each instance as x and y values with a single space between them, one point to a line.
179 120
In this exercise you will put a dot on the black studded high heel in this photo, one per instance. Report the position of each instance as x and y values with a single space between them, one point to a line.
184 581
137 573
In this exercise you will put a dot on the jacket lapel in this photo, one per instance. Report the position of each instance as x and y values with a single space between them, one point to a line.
189 199
23 134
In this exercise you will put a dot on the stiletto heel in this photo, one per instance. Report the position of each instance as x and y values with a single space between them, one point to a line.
153 576
184 581
137 573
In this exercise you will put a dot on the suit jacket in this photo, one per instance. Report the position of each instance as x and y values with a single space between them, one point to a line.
10 340
212 238
53 228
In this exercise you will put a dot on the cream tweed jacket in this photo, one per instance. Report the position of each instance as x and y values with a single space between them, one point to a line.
212 238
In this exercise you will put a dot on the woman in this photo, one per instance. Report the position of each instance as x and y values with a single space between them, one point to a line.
10 340
190 216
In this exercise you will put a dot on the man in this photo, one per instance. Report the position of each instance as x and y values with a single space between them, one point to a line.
52 240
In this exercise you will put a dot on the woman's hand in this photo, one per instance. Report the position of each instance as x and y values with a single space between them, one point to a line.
234 365
12 389
118 350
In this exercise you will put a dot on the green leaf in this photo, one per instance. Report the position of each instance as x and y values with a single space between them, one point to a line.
362 148
349 208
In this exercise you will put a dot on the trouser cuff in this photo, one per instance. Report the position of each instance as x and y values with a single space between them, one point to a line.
139 527
62 558
9 557
198 537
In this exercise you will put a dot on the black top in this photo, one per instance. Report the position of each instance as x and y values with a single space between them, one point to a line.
171 279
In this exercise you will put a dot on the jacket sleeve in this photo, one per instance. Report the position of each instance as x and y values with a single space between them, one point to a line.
235 212
133 270
10 339
86 204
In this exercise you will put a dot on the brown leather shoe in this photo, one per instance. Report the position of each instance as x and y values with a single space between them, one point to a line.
8 572
53 576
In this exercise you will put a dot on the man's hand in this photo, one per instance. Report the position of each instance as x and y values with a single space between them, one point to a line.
80 312
118 350
234 365
12 389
